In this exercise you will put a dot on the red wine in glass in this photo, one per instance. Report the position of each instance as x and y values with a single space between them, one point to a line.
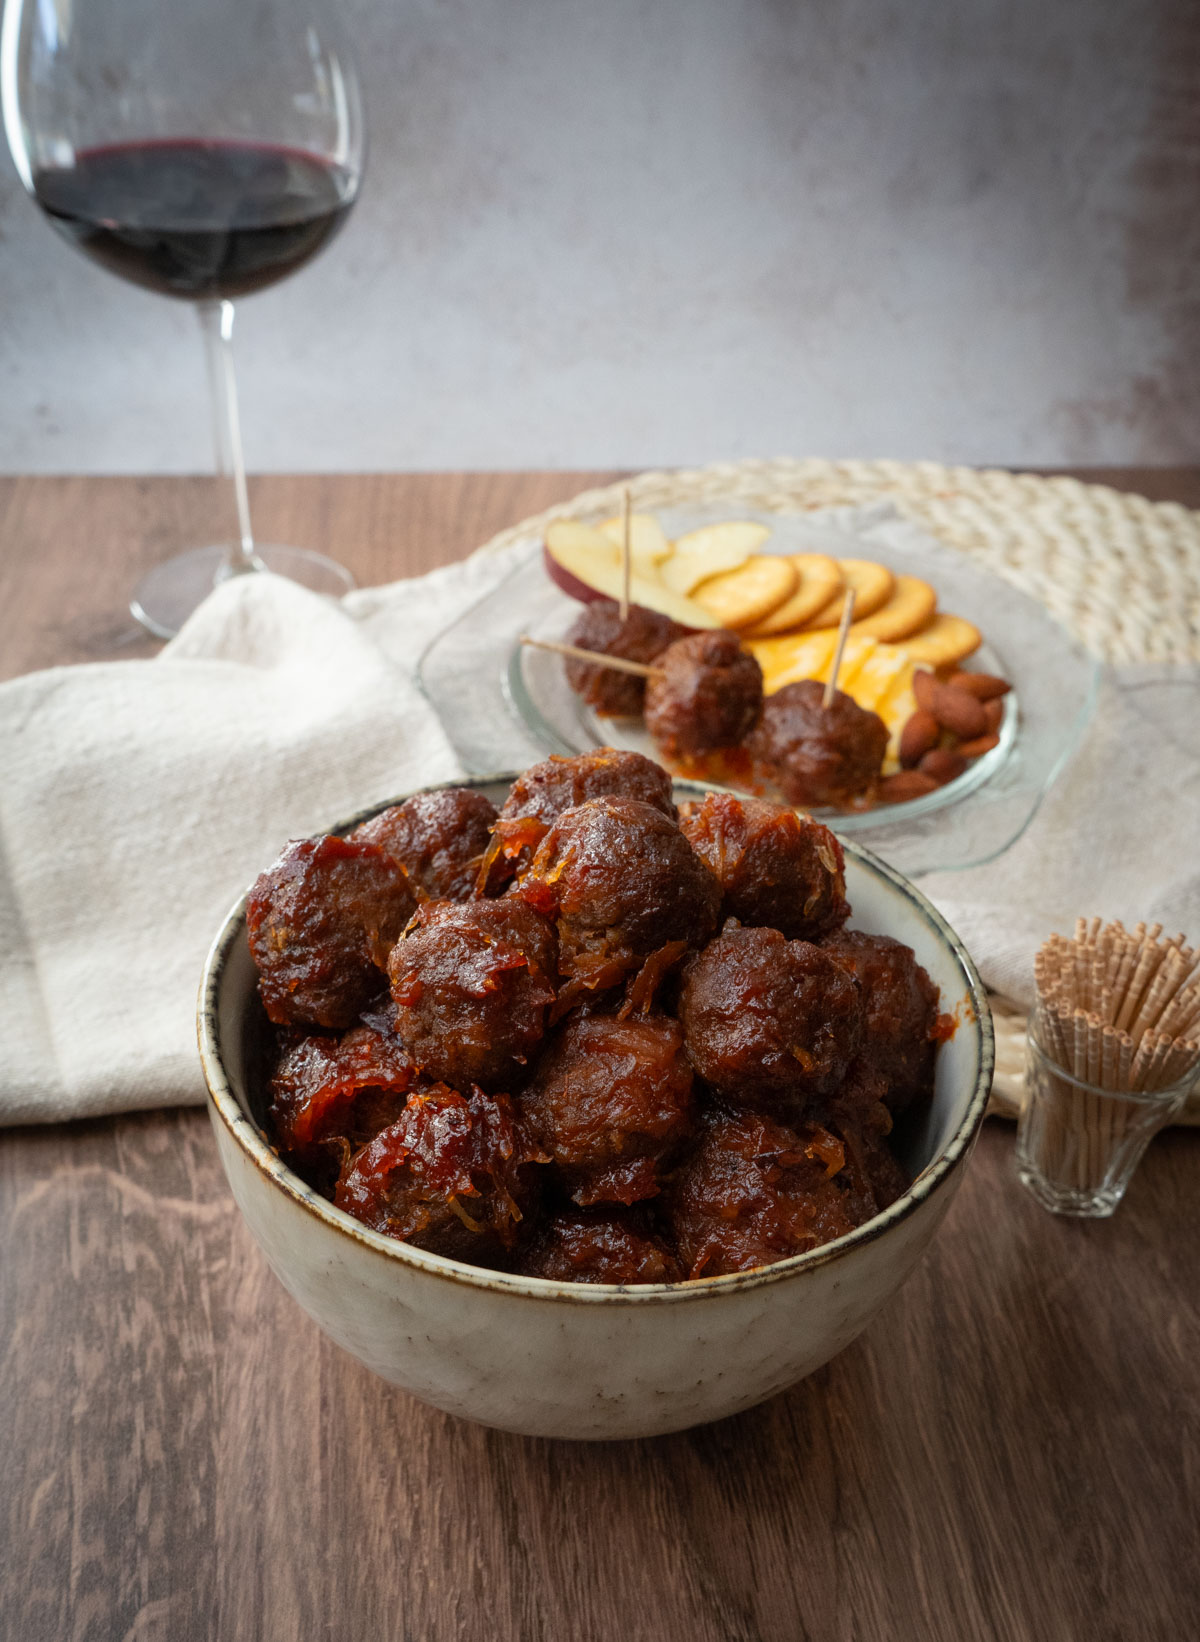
200 220
202 152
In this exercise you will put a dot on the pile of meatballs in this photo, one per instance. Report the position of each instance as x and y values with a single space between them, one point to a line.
589 1037
706 696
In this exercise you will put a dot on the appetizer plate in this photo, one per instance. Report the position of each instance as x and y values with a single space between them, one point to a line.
966 823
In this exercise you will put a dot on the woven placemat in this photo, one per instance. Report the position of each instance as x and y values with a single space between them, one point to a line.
1121 572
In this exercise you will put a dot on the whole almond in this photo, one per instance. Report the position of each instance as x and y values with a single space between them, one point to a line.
980 745
993 711
957 711
943 764
924 687
983 686
905 784
918 736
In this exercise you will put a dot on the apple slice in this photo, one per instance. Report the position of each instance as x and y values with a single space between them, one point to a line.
586 563
711 551
648 542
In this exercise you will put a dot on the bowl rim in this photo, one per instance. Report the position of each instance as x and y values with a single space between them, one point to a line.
224 1106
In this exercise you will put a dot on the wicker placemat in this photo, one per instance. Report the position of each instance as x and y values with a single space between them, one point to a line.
1121 572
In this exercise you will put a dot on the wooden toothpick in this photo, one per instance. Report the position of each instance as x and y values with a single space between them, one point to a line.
626 551
596 657
843 631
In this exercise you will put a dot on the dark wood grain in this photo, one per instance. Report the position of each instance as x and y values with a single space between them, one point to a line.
1010 1452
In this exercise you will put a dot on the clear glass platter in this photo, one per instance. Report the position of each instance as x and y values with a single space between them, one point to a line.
531 711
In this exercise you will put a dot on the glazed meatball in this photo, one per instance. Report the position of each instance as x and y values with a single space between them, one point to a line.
707 695
472 982
902 1011
439 838
857 1114
775 868
755 1191
599 1248
548 789
446 1176
817 754
609 1100
321 922
621 880
332 1090
642 636
557 784
768 1022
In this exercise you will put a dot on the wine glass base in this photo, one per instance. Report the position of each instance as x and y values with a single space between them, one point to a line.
166 596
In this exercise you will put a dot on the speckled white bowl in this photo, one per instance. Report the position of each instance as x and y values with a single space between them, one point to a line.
582 1360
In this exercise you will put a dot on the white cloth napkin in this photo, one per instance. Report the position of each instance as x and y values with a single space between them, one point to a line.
139 799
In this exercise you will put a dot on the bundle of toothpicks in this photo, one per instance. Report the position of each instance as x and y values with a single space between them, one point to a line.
1120 1008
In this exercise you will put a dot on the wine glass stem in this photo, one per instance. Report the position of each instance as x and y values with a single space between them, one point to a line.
216 322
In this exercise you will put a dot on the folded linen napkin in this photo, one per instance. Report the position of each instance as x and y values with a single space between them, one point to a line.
141 797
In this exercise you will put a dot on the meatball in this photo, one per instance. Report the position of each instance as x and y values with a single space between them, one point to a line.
755 1191
339 1090
622 881
707 694
817 754
901 1009
537 798
557 784
439 838
609 1100
775 868
642 636
768 1022
599 1248
321 922
471 983
447 1176
857 1115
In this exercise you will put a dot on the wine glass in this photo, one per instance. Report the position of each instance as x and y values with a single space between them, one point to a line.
203 149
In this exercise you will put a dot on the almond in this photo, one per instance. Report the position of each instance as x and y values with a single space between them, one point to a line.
904 785
924 685
977 747
943 764
993 711
983 686
956 711
919 735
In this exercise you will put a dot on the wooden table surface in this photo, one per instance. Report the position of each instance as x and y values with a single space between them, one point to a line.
1011 1450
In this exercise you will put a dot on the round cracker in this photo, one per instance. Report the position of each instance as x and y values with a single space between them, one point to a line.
909 609
945 642
741 597
819 580
873 586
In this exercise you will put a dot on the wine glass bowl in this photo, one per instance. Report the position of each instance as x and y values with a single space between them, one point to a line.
202 220
203 153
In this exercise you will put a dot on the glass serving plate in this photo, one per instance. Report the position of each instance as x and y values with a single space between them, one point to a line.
532 710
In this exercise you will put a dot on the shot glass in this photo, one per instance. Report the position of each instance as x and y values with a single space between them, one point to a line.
1077 1143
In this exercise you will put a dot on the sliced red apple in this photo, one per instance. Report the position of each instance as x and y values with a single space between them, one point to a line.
648 542
586 564
711 551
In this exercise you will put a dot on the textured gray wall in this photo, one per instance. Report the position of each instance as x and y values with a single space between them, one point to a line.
646 231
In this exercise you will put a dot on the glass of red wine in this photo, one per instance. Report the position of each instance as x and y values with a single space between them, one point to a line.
203 149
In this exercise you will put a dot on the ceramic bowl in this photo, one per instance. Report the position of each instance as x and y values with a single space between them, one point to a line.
581 1360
